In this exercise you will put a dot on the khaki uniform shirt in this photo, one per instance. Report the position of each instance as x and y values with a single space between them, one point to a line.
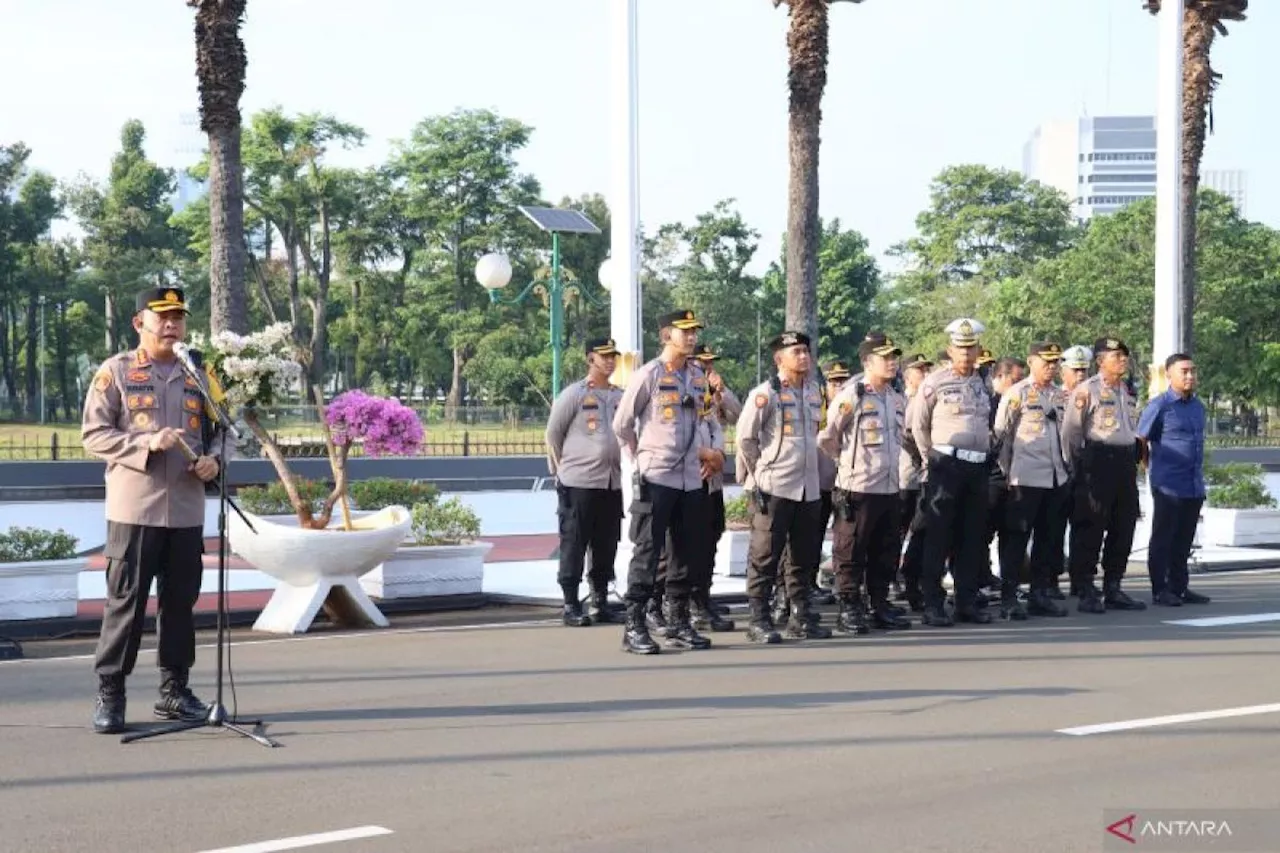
908 468
657 423
865 433
582 451
1098 413
777 441
129 400
953 410
711 435
1029 427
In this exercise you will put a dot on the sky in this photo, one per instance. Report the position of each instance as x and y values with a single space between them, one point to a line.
915 86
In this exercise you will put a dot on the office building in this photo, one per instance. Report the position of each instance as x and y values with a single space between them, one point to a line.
1103 163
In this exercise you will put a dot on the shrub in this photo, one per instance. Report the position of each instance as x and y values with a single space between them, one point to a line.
31 544
272 499
448 522
737 512
381 492
1237 485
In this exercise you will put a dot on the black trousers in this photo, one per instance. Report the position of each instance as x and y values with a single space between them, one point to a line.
866 545
136 555
1032 515
589 519
1173 529
1105 505
661 509
784 525
700 572
997 500
955 518
911 522
824 521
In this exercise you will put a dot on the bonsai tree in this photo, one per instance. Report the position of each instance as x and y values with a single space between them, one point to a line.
254 371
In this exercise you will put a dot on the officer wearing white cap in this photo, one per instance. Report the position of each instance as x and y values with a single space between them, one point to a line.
1075 366
1100 440
777 444
951 427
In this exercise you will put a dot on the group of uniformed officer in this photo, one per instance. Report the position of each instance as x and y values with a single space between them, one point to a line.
916 465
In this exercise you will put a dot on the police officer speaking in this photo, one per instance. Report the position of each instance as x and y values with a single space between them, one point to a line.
777 444
145 417
864 431
951 427
584 456
1028 431
1101 444
657 423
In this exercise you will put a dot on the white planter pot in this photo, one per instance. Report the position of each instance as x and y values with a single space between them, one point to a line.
44 589
731 553
1239 527
318 568
414 571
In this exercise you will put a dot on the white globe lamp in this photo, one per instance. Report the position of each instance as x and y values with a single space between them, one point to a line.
493 271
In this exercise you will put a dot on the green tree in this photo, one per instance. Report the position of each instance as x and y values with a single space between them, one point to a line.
463 186
129 243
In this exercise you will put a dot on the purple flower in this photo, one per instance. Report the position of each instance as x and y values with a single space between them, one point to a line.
386 427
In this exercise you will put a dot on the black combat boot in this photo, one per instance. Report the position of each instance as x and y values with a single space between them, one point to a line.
852 618
680 631
1117 599
654 617
635 636
108 709
760 629
886 617
599 609
1090 598
1010 606
1042 603
936 616
573 616
804 624
706 616
177 702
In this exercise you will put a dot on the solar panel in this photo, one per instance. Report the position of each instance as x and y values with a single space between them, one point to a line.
554 219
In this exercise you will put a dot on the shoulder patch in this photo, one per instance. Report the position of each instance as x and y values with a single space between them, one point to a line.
102 381
1081 399
762 400
845 407
1014 402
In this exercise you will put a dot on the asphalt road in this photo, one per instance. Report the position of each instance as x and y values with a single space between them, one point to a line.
535 737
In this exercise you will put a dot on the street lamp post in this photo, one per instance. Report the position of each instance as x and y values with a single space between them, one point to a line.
493 271
42 360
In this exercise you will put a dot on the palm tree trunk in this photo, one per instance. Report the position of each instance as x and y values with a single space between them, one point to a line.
807 78
220 72
1198 83
228 311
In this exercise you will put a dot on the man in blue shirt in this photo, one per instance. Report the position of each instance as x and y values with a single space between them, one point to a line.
1172 431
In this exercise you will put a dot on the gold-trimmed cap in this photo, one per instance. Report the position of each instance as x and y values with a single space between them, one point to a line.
163 299
965 331
602 346
682 319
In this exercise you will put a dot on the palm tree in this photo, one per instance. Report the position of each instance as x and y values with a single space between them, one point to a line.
1202 20
806 79
220 70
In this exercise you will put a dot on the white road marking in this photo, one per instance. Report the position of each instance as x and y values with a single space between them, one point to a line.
299 841
1171 720
1215 621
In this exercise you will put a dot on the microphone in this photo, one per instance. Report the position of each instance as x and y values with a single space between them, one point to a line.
183 352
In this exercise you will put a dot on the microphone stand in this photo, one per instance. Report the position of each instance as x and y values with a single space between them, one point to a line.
217 716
